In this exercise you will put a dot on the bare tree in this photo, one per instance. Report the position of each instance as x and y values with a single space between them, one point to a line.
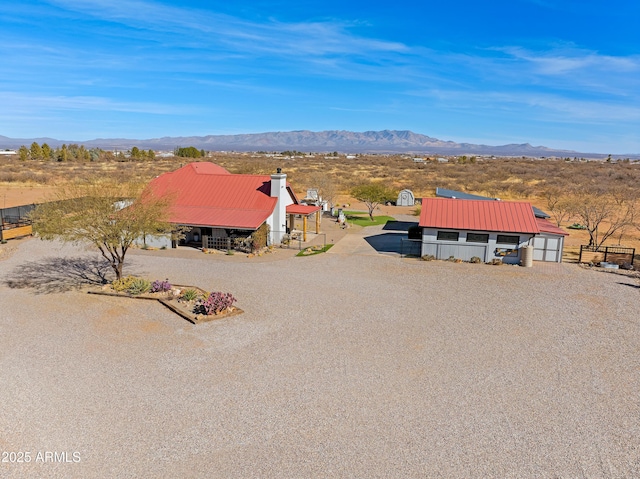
558 204
325 185
603 214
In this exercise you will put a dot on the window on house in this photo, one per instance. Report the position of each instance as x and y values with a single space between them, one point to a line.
477 238
448 235
508 239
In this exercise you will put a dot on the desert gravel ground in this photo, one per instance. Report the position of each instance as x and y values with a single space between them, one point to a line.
343 365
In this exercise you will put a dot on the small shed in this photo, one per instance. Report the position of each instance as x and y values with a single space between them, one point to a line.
467 228
405 198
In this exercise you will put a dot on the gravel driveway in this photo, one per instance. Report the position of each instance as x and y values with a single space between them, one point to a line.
343 365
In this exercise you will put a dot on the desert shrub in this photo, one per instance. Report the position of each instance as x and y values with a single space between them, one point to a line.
428 257
190 295
123 284
160 286
139 286
496 261
260 237
216 303
475 259
417 210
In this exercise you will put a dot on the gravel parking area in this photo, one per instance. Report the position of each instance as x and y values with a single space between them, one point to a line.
343 365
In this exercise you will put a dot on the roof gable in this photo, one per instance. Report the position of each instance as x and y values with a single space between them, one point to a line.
478 215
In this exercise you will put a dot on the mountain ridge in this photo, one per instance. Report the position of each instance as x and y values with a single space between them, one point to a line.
382 141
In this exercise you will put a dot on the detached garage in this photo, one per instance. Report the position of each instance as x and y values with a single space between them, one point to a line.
486 229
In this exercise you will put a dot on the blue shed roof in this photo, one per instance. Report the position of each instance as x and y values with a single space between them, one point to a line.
444 193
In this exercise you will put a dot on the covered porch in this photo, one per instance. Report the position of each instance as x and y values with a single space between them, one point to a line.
303 211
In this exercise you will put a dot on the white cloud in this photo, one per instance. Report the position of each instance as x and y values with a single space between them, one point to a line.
22 103
534 105
208 28
573 60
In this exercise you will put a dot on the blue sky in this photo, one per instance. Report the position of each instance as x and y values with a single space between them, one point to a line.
563 74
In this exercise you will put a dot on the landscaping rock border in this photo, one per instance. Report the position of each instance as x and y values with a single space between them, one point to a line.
173 304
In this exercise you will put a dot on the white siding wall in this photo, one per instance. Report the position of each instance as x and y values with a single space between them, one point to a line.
465 250
278 220
159 241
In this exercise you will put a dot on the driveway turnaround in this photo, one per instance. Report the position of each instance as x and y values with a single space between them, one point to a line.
343 365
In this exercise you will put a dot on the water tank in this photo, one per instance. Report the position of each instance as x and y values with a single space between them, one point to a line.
527 256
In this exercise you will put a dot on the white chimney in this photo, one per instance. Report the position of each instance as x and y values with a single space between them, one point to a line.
279 219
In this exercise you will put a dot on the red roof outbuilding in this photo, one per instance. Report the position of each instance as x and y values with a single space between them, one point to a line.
478 215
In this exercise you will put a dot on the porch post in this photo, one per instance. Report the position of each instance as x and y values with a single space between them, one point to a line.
304 228
318 222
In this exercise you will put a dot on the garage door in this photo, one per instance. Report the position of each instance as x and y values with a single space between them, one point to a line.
547 247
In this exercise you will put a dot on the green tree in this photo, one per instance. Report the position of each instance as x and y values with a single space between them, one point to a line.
189 152
373 194
107 215
35 151
46 151
135 153
62 154
23 153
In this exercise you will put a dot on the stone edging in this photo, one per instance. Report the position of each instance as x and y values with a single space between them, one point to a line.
170 304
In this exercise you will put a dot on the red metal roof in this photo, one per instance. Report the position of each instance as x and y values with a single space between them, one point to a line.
545 226
478 215
206 194
206 167
301 209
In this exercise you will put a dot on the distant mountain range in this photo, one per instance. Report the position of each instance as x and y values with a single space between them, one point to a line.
386 141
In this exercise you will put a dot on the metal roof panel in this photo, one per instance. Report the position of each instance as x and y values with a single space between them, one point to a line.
478 215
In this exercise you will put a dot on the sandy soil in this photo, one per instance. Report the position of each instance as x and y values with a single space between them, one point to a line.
17 195
343 365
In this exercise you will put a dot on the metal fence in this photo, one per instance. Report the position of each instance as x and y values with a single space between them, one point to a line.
295 241
614 254
16 216
410 247
15 222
